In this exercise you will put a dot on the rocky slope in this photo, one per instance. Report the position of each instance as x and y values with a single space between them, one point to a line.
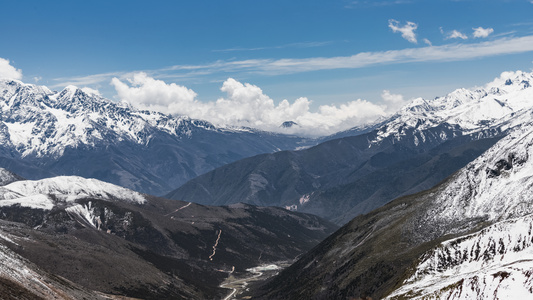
467 238
116 241
71 132
419 146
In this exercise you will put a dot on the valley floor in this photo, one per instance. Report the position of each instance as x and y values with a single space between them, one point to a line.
238 283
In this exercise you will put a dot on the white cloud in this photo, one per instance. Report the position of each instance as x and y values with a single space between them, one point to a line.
408 30
145 92
393 102
428 42
481 32
443 53
86 80
291 45
246 105
454 34
91 91
8 71
37 78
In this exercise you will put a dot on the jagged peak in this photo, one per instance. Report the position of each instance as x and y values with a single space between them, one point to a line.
9 86
511 80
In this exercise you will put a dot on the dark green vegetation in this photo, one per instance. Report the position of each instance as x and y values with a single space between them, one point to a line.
163 249
340 179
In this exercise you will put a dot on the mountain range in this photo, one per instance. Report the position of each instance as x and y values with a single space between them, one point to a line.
434 202
422 144
85 237
469 237
72 132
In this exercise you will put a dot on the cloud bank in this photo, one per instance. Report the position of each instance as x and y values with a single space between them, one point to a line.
8 71
246 105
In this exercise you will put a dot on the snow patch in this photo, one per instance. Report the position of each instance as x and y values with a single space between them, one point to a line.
495 263
43 194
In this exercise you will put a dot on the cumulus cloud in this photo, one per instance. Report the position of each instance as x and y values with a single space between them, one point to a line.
454 34
148 93
245 104
91 91
393 102
428 42
481 32
8 71
407 31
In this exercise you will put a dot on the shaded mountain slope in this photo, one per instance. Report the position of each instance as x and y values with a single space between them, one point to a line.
468 237
338 179
113 240
21 279
419 146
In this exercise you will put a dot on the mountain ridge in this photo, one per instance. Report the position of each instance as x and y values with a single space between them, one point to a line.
421 131
46 134
467 237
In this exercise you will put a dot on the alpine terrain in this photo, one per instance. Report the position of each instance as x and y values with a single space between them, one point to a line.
72 132
419 146
469 237
68 237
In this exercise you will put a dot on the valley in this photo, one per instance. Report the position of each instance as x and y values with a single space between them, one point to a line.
433 201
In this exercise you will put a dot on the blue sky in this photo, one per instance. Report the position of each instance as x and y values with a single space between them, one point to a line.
330 52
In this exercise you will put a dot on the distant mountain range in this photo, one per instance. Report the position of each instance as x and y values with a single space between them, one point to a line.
411 151
470 237
80 238
71 132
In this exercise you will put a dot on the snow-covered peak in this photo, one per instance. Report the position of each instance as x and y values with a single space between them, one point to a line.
35 121
494 187
470 110
45 193
494 193
7 177
511 81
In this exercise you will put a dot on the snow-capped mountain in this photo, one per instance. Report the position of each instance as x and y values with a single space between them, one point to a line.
71 132
472 110
493 189
468 238
47 193
426 141
494 263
